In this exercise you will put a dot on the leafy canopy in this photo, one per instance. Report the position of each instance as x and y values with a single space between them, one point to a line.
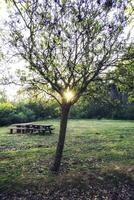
67 43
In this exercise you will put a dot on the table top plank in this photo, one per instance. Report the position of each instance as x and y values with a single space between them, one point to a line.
31 125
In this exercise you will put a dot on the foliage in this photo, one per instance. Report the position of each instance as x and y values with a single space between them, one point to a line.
26 112
104 99
97 109
44 109
99 105
6 109
123 76
68 43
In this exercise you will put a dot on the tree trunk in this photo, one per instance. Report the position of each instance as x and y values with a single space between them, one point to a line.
63 126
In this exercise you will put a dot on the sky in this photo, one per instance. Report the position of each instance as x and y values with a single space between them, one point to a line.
8 66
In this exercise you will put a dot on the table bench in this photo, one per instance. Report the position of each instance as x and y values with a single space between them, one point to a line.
31 128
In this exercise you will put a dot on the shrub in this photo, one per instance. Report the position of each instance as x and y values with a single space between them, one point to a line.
6 110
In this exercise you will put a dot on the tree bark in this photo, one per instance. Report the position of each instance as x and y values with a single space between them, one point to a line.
62 134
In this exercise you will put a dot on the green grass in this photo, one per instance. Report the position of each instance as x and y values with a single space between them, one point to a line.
91 145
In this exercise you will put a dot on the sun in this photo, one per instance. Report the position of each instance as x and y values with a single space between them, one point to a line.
69 95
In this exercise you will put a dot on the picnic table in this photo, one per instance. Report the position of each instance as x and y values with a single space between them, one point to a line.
31 128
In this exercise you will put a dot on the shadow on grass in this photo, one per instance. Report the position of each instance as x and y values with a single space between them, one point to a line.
75 185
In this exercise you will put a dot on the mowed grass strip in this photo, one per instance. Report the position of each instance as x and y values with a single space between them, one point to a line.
91 145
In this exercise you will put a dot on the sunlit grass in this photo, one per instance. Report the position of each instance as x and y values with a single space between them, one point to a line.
91 145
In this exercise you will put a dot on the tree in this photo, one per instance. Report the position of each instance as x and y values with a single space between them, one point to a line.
123 76
68 44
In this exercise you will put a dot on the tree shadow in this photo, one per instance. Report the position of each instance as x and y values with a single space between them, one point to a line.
82 185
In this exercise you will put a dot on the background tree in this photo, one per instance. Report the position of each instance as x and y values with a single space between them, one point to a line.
123 76
67 45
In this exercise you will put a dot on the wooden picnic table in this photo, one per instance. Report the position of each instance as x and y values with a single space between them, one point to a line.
31 128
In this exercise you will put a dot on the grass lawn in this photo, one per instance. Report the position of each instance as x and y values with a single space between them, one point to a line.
98 155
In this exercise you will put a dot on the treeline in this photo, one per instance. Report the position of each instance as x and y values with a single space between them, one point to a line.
32 111
26 112
99 110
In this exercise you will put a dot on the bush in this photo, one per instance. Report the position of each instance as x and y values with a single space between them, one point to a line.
26 112
6 110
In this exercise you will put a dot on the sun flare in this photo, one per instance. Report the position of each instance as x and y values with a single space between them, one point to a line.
69 95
